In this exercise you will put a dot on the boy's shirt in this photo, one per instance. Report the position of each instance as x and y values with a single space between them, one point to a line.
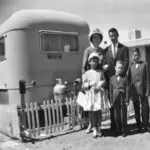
118 84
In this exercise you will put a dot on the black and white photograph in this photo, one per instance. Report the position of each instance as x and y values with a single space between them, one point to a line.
74 75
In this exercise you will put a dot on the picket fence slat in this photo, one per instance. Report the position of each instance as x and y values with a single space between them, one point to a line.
32 116
45 116
57 112
72 112
49 116
37 118
68 111
28 116
53 112
61 115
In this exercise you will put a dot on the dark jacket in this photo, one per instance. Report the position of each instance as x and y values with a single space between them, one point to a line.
122 54
138 79
118 87
87 52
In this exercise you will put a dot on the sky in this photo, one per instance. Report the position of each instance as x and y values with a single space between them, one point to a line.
103 14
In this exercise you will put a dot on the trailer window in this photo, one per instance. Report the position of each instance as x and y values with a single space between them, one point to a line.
59 41
2 48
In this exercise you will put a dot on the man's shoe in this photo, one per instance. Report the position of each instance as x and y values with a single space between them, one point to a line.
147 129
140 130
124 134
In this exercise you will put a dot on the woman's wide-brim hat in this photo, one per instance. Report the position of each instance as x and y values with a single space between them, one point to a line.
96 31
92 55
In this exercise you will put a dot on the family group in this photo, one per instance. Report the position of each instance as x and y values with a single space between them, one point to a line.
109 80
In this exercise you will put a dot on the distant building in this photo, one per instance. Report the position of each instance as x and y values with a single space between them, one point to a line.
134 34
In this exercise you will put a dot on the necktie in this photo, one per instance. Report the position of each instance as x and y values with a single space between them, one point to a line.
113 50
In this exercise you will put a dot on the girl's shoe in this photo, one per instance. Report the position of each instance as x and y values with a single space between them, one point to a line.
89 129
99 133
95 133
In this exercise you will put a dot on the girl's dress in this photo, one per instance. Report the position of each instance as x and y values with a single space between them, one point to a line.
91 99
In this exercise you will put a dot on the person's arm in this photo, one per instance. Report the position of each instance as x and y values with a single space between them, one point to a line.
85 82
85 60
127 91
105 65
146 79
129 75
126 59
102 81
110 92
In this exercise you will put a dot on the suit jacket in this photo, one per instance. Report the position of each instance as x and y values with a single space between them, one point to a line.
138 79
122 54
118 87
87 52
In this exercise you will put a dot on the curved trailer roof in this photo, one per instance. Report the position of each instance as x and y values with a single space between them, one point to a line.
43 18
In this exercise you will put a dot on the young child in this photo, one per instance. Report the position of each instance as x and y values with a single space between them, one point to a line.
119 99
92 83
139 88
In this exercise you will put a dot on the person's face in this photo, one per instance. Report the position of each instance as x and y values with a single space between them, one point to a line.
136 57
94 62
113 37
119 69
96 40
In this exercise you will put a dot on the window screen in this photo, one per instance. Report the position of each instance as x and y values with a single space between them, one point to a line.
2 47
59 41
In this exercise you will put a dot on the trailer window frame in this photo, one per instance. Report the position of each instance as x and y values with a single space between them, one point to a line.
2 48
60 42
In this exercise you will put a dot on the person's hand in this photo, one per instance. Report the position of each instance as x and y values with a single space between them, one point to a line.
111 105
105 67
100 84
92 83
147 93
127 103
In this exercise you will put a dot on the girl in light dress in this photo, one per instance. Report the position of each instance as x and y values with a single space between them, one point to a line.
92 100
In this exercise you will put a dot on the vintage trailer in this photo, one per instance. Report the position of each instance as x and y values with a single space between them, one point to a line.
40 46
144 46
37 46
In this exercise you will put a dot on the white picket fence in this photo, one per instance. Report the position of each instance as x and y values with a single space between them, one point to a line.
54 116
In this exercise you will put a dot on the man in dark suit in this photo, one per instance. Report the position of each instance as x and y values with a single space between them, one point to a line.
116 51
139 90
119 99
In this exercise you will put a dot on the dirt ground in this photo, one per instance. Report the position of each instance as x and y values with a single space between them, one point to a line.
81 141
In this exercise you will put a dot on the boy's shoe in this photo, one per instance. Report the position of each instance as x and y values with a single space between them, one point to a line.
95 133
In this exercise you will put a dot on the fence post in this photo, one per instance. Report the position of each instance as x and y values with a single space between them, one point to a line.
22 90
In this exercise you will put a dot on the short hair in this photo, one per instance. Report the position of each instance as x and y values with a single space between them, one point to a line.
113 30
119 62
136 50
